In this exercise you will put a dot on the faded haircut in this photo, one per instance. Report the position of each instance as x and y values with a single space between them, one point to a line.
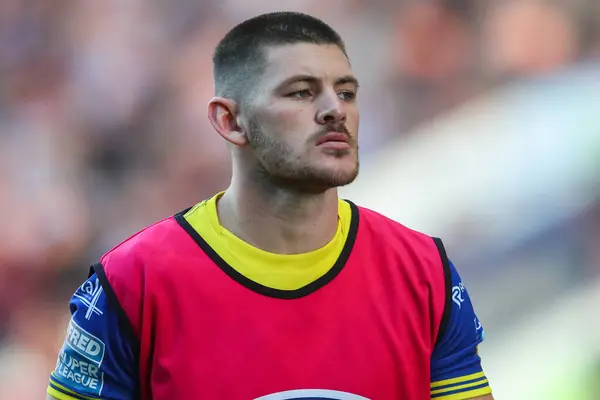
239 58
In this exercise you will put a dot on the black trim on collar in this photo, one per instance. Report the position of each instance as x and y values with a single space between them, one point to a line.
268 291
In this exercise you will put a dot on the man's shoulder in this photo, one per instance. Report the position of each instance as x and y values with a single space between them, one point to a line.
124 269
386 226
416 251
146 243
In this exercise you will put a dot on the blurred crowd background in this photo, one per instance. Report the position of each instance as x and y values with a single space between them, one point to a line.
479 124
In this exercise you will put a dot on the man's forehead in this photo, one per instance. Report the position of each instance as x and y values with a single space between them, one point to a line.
323 61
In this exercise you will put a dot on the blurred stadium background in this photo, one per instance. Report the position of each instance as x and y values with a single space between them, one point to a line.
480 124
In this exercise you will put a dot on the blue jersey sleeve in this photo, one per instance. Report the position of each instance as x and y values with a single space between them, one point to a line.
97 359
456 371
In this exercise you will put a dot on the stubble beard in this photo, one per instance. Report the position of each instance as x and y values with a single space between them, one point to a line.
278 164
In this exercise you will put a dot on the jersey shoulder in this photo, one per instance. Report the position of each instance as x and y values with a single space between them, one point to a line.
142 243
151 250
397 235
373 217
422 258
124 269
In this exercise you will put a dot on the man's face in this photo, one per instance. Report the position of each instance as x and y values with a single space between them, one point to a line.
302 123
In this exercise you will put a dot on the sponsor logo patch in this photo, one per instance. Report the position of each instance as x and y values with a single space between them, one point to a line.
89 293
457 294
78 365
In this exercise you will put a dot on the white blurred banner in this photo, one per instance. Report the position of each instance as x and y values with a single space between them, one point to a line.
523 156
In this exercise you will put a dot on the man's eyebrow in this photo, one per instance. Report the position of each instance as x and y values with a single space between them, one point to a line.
299 78
347 79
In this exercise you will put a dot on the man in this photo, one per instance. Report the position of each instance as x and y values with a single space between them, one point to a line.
276 288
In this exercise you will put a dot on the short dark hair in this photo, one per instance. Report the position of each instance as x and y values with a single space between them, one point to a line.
239 58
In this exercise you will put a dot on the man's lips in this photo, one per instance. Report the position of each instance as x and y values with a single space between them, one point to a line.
333 137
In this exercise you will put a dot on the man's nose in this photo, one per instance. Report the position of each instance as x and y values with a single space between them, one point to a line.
331 109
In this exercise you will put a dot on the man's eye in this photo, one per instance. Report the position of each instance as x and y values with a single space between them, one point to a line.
300 94
346 95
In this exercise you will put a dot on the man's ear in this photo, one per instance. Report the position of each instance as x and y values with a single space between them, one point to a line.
222 114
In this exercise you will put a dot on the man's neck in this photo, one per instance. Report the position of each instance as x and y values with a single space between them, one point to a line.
277 220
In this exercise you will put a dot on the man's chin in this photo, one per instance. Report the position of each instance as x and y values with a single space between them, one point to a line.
329 179
315 183
317 177
339 181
